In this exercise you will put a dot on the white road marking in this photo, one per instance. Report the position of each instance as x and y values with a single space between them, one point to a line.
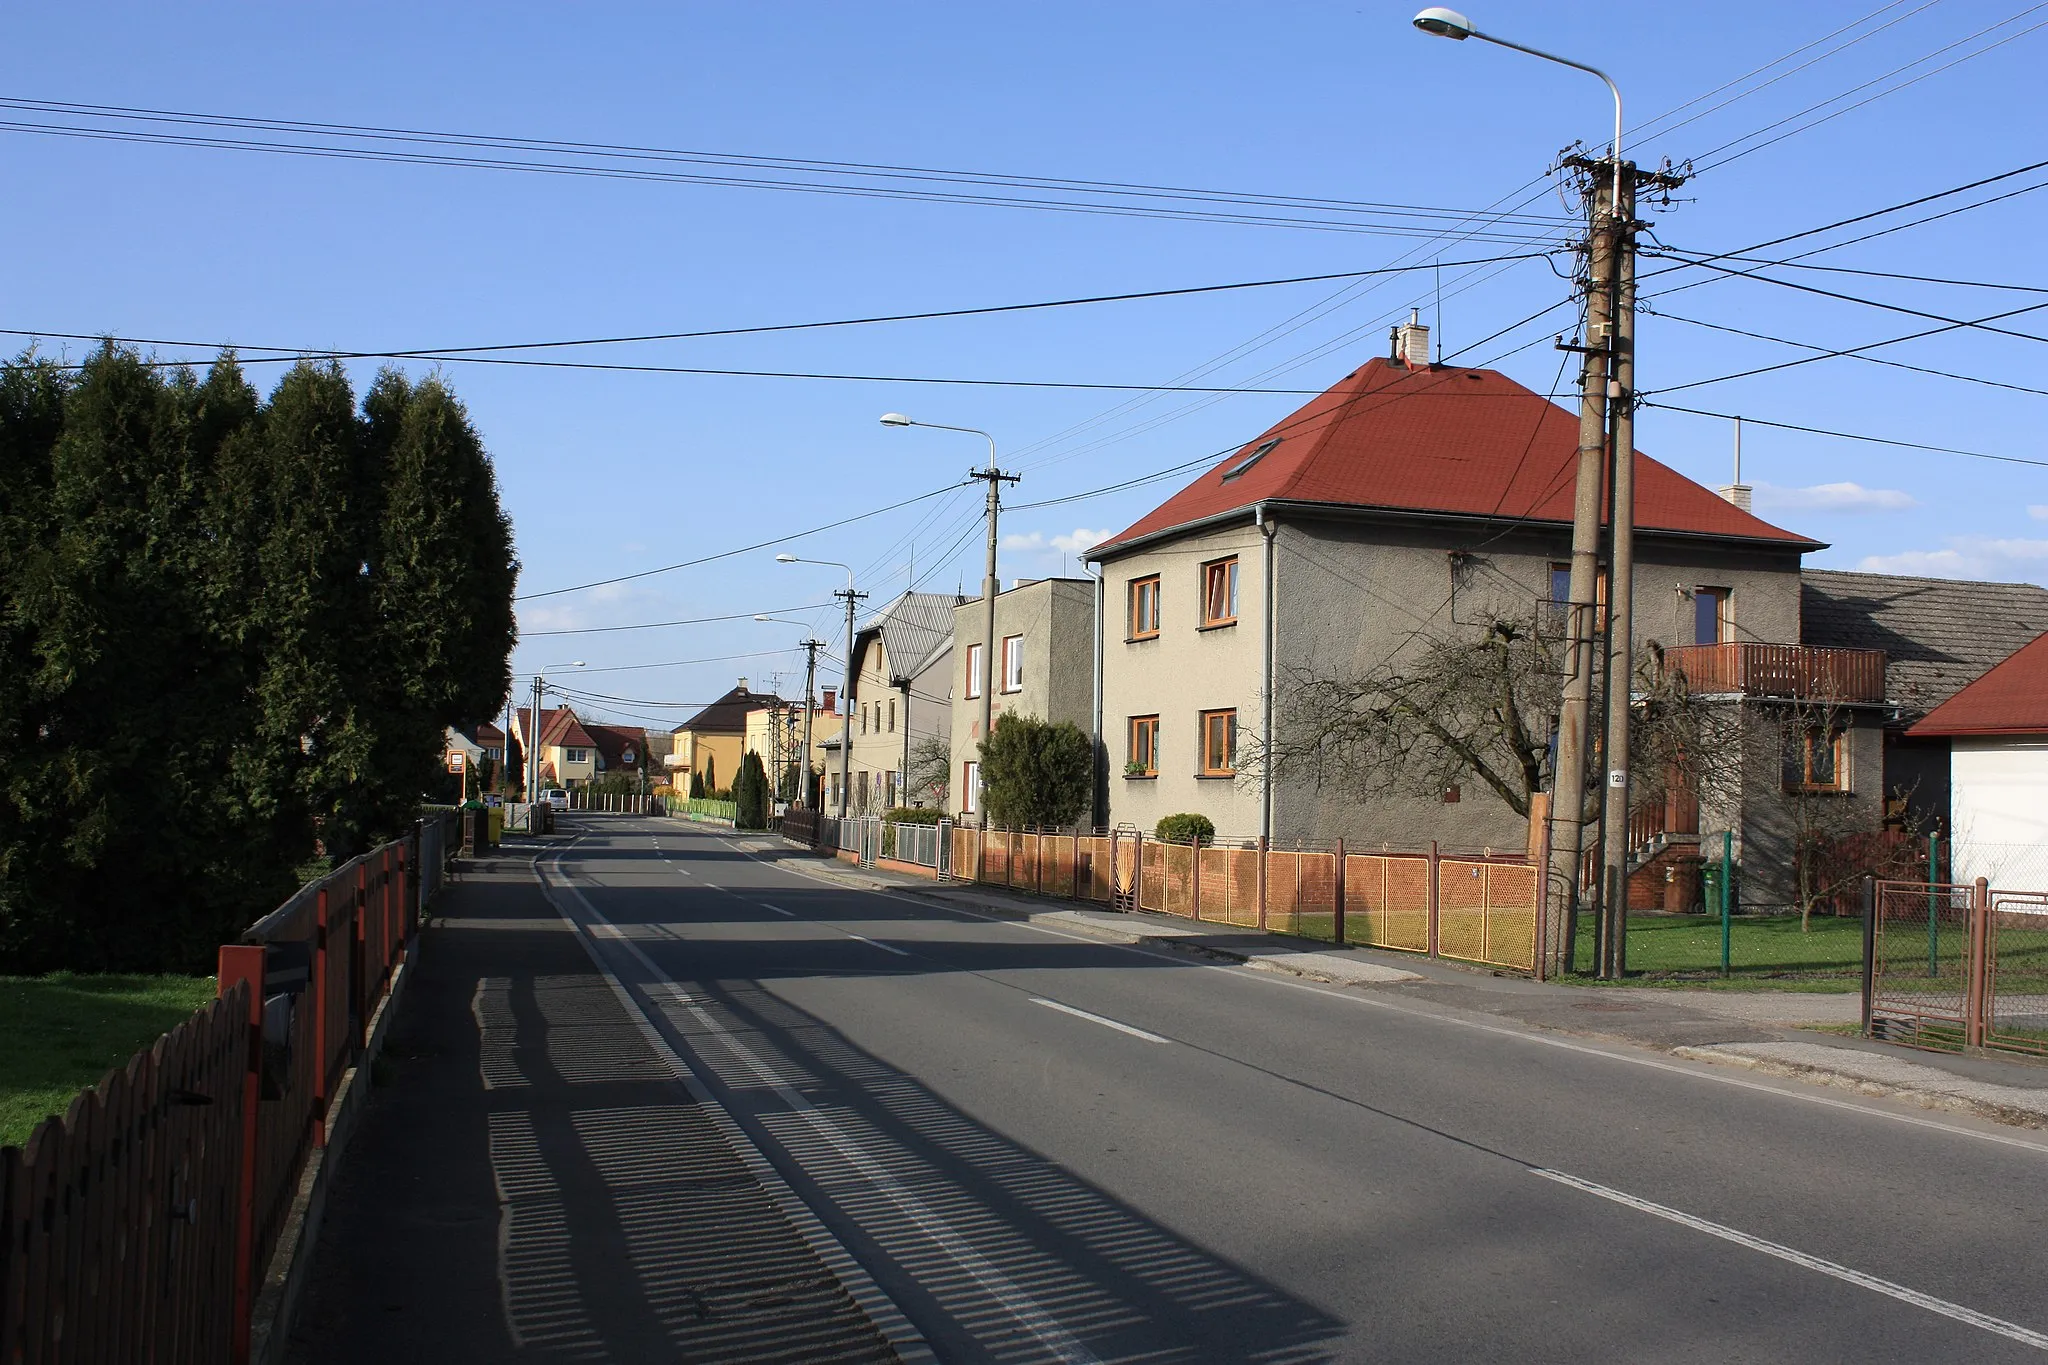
778 909
1098 1019
873 944
1697 1071
1018 1304
1984 1321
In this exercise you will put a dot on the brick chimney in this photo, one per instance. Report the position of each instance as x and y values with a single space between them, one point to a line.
1411 342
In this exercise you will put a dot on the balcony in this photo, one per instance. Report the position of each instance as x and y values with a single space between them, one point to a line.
1801 672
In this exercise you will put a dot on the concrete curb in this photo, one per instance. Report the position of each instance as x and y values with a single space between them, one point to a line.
285 1278
1937 1090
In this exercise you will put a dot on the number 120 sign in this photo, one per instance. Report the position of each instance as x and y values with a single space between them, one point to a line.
455 757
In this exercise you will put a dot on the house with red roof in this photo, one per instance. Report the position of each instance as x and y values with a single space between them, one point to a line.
1996 730
1413 502
568 751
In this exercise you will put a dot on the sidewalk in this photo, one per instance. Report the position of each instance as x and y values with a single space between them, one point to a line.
1768 1031
531 1180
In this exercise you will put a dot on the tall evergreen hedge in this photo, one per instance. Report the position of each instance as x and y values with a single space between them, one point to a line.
232 631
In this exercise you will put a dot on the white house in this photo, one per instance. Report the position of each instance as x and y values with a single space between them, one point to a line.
1997 729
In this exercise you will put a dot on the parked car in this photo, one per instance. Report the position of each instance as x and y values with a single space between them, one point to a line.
556 798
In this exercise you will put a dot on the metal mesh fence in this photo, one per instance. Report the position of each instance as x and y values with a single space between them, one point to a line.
1486 912
1920 963
1386 900
2016 982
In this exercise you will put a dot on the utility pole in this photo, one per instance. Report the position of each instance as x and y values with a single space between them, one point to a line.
810 649
995 479
533 753
853 600
1568 780
903 779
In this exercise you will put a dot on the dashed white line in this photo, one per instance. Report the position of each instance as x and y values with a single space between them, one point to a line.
778 909
873 944
1098 1019
2010 1330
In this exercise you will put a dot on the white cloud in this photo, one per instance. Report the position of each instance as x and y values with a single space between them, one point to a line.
1069 543
1998 559
1833 497
2038 511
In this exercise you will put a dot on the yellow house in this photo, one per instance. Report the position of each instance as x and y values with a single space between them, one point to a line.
568 754
776 733
709 744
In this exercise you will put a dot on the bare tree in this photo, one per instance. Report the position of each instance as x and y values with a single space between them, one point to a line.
930 771
1481 706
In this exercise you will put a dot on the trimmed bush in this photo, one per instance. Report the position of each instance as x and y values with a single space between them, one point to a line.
1185 828
912 815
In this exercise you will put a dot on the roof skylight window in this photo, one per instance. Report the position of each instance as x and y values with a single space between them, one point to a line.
1264 448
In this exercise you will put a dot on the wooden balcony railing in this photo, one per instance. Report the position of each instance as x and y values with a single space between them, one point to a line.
1798 671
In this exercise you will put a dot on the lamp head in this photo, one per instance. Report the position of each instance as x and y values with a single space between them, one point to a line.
1445 23
896 419
763 618
786 558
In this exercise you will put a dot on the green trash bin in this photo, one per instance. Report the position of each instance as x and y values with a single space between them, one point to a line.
1711 888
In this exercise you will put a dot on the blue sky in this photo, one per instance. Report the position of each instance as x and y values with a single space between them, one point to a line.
613 473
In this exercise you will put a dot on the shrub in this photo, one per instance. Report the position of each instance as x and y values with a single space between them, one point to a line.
696 785
912 815
750 794
1036 774
1185 828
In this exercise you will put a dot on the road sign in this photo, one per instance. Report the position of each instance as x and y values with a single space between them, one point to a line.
455 760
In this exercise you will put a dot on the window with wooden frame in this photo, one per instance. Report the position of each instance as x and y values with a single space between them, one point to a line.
1817 759
1142 757
970 787
1219 743
1561 585
1713 621
973 688
1013 663
1219 592
1144 609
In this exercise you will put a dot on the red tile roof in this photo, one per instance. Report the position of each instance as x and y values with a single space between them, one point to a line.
558 726
2012 699
1439 439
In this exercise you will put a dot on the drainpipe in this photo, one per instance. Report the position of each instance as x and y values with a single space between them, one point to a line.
1266 529
1100 793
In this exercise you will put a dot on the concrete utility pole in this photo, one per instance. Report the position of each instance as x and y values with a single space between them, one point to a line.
853 600
995 478
533 753
810 648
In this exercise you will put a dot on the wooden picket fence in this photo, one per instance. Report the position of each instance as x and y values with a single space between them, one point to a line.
140 1225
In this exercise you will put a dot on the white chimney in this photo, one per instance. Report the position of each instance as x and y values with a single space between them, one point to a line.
1737 493
1411 342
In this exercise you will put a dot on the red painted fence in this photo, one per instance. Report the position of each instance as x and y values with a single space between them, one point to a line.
139 1226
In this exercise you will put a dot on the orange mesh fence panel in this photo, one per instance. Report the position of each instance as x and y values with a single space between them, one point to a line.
995 857
1386 901
2016 994
1152 876
1486 912
1242 877
1212 887
1056 865
963 854
1092 877
1023 860
1920 962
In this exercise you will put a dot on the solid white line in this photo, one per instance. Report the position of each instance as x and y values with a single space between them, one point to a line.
1697 1071
1098 1019
778 909
1018 1304
2010 1330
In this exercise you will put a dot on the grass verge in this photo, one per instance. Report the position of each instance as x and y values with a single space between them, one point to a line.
64 1032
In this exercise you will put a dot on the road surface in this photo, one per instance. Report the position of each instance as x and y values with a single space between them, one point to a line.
1044 1147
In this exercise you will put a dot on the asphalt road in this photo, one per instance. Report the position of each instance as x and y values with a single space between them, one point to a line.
1044 1147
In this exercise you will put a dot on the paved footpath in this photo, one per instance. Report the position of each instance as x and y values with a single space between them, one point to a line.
532 1182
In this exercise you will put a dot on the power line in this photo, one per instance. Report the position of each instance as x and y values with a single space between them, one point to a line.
1845 435
1795 263
744 549
657 625
684 663
1868 359
1870 303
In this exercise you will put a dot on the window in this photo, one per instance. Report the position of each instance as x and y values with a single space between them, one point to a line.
1143 754
1711 622
1013 663
1219 592
1219 743
1561 584
970 787
863 718
892 717
1817 760
973 688
1263 449
576 755
1144 613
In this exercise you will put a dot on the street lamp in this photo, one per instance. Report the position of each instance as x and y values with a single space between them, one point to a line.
846 728
995 478
1448 23
1607 378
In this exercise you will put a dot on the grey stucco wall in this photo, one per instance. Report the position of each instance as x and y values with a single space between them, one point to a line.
1771 816
1056 618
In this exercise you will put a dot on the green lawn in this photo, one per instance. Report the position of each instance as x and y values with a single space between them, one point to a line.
64 1032
1764 950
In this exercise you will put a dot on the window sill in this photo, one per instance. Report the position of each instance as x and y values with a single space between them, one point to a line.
1141 639
1009 691
1818 791
1141 777
1217 625
1215 777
